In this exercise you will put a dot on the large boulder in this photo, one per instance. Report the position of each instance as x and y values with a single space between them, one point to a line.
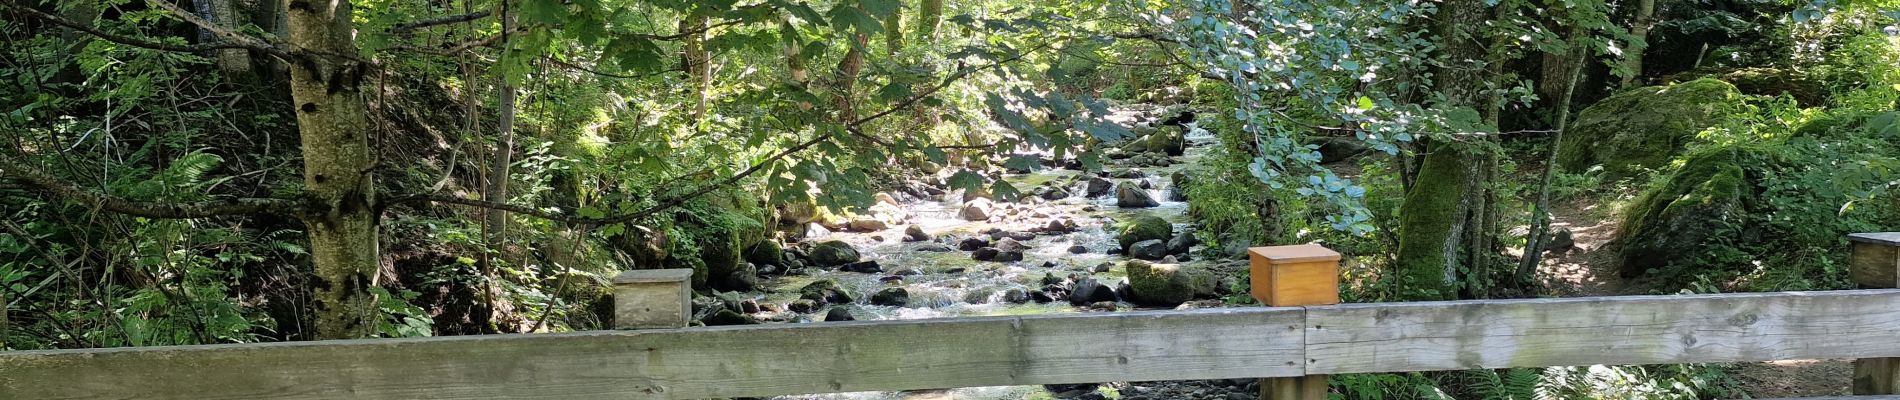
1145 227
1167 284
1129 195
1645 127
1701 205
832 253
766 252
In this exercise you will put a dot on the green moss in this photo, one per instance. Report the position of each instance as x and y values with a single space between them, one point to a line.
1144 227
1167 284
1427 246
1699 206
1645 127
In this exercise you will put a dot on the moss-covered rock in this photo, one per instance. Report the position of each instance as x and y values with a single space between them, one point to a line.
1702 204
1645 127
826 292
766 252
1771 82
832 253
1167 284
1145 227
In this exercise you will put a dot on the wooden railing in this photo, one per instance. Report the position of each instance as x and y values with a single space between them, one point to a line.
765 360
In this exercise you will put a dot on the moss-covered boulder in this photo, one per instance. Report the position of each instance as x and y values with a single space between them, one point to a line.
1167 284
1701 205
832 253
1645 127
1145 227
766 252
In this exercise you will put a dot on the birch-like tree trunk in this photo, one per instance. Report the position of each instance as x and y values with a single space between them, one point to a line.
339 191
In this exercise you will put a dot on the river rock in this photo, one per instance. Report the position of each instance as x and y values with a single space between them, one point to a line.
933 248
816 231
1021 236
867 225
766 252
1178 185
729 317
1128 195
825 292
803 306
744 279
1181 243
916 233
838 314
971 244
1010 244
1145 227
1128 174
1167 285
1051 193
832 253
1148 250
867 266
1016 296
1561 240
1078 249
1088 291
891 297
885 198
1098 187
975 210
984 254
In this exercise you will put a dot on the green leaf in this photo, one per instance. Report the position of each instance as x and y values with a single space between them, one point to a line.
966 180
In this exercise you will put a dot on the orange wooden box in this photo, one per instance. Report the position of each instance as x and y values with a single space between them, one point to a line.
1297 275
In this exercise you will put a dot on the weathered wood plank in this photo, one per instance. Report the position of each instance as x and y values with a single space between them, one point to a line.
1629 330
690 363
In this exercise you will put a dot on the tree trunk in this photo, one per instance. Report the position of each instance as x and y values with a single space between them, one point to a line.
1540 212
697 61
1633 57
929 17
235 64
1446 203
848 70
496 222
894 33
3 321
333 121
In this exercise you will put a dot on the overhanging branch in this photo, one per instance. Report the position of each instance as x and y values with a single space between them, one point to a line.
204 209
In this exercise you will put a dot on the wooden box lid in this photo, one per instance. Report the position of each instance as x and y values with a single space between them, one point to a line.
1298 253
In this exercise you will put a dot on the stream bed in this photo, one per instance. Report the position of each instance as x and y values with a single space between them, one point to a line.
1061 238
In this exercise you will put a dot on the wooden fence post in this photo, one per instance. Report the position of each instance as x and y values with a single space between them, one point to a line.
1874 264
653 299
1298 275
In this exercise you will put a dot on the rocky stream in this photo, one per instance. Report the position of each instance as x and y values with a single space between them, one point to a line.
1074 242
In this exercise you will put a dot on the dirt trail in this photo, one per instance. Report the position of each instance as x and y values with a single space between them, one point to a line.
1589 269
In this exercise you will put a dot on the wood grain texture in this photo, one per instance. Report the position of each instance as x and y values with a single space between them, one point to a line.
1875 376
1606 330
1874 265
690 363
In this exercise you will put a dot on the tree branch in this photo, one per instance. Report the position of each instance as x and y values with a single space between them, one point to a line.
125 40
444 20
204 209
221 31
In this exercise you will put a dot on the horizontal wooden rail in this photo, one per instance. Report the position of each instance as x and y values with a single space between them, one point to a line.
766 360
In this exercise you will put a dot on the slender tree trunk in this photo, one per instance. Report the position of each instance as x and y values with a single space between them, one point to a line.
496 222
929 17
1446 203
1633 57
332 119
698 63
1540 213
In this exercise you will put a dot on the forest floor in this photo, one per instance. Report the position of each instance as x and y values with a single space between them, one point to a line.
1589 269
